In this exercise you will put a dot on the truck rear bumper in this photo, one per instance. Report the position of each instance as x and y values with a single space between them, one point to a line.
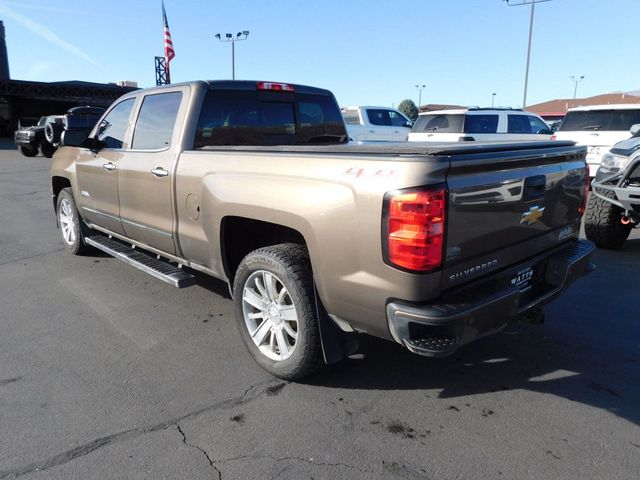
488 305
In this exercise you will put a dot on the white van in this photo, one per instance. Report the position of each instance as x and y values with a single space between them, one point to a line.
478 124
598 127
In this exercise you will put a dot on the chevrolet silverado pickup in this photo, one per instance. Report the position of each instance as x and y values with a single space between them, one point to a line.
319 239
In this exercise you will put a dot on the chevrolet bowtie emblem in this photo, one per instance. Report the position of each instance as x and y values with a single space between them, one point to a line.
532 216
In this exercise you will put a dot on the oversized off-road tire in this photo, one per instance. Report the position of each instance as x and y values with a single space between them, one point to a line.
47 149
602 222
72 228
28 151
275 310
52 132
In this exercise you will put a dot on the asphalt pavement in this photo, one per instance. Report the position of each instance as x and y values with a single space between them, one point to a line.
108 373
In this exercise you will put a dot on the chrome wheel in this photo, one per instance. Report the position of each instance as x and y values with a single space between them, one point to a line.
270 315
67 221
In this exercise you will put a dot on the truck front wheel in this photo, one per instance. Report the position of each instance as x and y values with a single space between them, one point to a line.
275 310
602 223
47 149
72 228
28 151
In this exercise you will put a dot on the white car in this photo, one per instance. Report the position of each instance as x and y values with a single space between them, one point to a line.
599 127
478 124
366 124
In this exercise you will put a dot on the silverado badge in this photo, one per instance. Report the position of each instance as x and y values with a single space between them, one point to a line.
532 215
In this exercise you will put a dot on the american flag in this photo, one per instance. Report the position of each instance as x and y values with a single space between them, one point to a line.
169 52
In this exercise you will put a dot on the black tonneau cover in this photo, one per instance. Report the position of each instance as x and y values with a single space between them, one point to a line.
404 148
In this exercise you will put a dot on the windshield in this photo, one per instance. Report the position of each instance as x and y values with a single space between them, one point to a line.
42 122
442 123
590 120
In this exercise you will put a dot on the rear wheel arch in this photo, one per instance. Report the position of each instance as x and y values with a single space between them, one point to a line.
241 235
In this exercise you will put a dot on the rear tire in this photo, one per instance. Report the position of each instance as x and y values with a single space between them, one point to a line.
275 310
602 222
72 227
29 152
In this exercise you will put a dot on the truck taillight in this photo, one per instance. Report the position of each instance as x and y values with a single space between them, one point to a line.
587 186
553 137
277 87
414 228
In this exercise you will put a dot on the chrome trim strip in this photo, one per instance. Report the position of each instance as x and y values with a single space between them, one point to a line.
145 227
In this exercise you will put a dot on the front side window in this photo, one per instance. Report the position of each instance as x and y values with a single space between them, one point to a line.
538 126
481 124
156 120
113 127
380 117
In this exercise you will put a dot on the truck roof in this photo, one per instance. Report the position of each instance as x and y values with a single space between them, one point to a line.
233 85
611 106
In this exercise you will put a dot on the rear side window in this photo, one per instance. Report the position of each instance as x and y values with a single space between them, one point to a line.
113 127
242 117
440 123
481 124
156 120
616 120
518 124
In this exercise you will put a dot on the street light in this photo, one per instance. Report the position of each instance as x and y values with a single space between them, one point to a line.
230 38
576 80
420 88
517 3
493 99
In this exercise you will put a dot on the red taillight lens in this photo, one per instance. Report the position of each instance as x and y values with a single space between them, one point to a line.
415 229
276 87
553 137
587 184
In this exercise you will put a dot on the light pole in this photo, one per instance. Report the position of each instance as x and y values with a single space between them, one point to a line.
420 88
515 3
230 38
493 99
576 81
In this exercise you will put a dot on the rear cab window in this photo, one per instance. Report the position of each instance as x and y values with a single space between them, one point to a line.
248 117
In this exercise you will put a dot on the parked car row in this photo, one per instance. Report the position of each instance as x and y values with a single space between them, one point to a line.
48 133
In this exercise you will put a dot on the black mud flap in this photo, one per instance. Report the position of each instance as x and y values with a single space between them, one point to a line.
336 344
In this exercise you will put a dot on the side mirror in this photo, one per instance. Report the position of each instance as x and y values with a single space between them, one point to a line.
73 138
544 131
92 144
635 129
408 124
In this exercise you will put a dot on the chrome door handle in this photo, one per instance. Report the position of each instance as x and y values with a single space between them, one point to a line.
159 172
108 166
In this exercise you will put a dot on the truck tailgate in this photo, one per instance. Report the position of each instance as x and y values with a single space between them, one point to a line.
507 206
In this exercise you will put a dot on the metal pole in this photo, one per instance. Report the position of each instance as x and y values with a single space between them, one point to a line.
526 74
233 60
575 89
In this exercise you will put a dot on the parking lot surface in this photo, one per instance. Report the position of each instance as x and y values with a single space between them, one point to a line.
106 372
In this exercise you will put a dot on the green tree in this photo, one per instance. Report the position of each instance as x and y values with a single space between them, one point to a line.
409 109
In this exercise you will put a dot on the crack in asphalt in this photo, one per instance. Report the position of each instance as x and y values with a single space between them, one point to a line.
309 461
202 450
92 446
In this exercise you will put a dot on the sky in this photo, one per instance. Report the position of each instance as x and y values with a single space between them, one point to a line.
368 52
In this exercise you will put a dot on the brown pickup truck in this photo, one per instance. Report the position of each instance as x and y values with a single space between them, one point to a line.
256 183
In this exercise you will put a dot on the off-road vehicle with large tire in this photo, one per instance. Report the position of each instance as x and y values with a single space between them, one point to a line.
31 139
613 209
255 183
